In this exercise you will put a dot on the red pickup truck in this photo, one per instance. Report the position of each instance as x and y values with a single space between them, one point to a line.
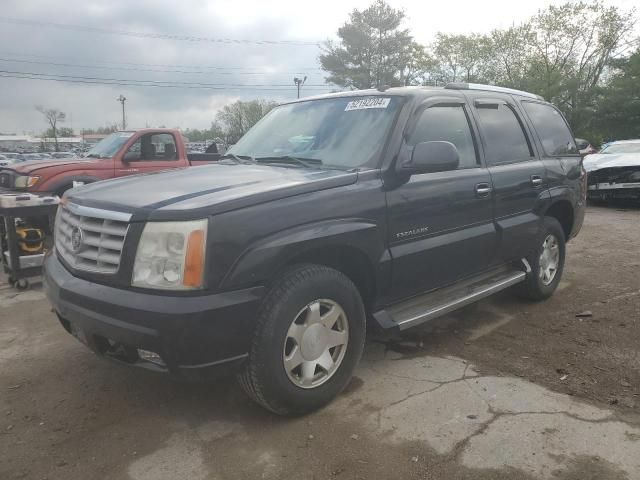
121 153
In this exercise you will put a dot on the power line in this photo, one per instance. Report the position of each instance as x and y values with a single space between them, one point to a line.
132 83
150 82
162 36
138 64
104 67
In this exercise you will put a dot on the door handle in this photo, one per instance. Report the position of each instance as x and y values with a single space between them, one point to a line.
536 180
483 189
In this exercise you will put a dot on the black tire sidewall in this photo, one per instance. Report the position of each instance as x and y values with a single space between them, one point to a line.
536 289
275 385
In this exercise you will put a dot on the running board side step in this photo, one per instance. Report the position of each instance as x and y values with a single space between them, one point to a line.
426 307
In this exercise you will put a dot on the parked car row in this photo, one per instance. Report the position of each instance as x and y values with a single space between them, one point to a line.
9 158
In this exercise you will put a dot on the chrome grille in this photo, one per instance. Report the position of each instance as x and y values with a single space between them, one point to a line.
89 238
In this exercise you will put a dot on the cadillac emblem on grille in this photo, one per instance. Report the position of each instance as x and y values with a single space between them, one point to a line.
76 239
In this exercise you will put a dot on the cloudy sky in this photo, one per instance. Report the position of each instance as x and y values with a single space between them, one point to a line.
237 49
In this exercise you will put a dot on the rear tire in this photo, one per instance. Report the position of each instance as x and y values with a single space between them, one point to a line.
309 309
547 262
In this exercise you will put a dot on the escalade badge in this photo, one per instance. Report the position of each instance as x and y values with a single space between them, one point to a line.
77 236
411 233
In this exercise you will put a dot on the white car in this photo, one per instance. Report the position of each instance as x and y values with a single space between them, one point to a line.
614 172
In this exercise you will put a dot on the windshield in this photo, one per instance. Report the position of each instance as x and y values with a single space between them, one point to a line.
343 132
109 146
622 148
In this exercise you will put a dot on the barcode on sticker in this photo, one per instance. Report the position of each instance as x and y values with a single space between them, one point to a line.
364 103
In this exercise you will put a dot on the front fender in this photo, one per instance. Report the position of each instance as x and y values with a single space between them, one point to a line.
262 260
61 181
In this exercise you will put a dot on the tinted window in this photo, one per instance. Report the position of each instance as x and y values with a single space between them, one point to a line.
505 139
553 131
153 146
451 125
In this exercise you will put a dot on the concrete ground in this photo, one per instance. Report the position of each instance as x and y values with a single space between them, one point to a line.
506 390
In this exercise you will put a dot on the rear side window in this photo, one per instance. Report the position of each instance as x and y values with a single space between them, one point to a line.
505 139
153 147
554 134
450 124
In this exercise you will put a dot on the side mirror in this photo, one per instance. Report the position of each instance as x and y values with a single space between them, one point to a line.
131 157
581 143
430 157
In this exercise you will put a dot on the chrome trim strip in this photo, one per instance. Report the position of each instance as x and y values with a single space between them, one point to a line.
98 213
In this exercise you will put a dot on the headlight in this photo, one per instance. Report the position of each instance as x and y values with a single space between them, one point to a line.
26 181
171 255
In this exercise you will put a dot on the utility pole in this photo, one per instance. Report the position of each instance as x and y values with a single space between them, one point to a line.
123 99
299 82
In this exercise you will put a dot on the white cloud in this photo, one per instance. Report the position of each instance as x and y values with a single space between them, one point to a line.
95 105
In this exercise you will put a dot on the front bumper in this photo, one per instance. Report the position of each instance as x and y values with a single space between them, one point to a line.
195 337
621 191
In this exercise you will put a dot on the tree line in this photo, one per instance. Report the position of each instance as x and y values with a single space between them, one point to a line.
580 55
229 124
232 121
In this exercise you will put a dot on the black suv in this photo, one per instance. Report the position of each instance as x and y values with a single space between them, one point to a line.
381 209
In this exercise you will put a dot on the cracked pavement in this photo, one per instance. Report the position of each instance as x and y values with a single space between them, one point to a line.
475 396
489 422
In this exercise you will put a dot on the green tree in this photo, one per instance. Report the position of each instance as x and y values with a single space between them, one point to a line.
617 114
52 116
215 132
61 132
462 58
509 56
107 129
571 46
373 50
235 119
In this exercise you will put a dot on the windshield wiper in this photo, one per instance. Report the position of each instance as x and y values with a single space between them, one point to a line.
238 158
305 162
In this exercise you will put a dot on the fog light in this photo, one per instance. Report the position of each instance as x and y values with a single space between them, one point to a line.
152 357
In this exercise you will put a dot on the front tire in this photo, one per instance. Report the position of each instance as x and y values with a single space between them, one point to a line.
309 338
547 262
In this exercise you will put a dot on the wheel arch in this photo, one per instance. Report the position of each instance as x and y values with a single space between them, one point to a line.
349 246
57 185
562 211
348 260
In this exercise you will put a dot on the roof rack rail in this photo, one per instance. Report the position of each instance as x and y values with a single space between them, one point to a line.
490 88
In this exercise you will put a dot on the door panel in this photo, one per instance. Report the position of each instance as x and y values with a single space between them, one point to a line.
441 225
518 176
150 153
516 200
440 230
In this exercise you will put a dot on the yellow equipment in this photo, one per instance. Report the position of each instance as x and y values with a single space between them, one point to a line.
30 240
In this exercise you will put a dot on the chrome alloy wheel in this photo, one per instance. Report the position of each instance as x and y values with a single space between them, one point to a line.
549 259
316 343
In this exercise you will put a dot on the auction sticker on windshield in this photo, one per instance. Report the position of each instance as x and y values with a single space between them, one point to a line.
365 103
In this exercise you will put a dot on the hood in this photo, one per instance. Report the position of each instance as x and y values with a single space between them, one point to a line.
200 191
33 165
598 161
